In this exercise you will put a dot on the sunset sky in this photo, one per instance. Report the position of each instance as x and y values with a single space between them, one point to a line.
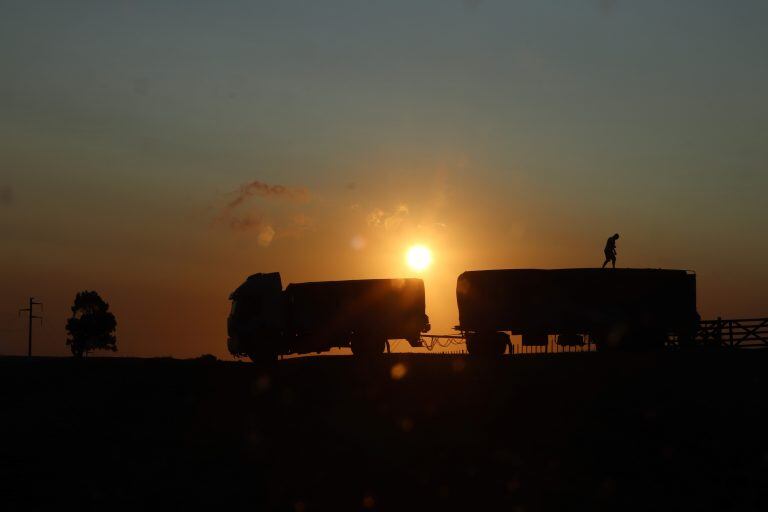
161 151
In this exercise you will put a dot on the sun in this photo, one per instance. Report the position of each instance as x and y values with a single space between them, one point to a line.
418 257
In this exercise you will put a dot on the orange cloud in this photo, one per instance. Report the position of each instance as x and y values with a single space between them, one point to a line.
388 220
233 216
261 189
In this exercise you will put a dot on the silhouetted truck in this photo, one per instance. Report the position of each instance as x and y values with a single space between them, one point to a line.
266 321
616 308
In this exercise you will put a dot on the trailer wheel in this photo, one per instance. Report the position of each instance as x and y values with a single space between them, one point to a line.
613 335
625 337
647 339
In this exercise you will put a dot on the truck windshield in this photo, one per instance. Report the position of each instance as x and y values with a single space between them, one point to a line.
250 307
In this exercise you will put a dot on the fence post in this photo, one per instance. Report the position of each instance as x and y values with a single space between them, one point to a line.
730 333
719 331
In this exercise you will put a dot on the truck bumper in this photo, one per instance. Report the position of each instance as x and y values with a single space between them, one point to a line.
233 346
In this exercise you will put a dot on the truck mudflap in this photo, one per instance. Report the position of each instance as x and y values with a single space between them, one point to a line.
415 342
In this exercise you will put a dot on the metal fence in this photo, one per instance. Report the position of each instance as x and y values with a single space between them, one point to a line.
732 333
553 346
441 342
741 333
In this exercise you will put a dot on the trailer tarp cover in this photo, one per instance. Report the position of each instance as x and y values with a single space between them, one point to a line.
394 306
574 300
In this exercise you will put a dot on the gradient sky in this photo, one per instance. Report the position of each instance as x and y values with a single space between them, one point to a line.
500 133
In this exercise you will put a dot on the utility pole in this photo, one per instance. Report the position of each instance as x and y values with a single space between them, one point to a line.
32 316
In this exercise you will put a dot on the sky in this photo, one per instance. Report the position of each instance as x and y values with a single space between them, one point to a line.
161 151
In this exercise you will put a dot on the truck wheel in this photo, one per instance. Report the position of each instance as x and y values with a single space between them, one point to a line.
367 345
500 342
473 344
262 357
263 352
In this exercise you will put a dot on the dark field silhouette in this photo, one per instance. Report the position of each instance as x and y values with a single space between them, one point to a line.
598 431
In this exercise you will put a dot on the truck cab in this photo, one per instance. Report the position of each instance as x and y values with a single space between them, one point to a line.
257 319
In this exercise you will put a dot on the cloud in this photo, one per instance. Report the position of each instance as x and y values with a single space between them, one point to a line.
296 226
6 195
376 217
302 221
261 189
245 222
265 233
388 220
234 216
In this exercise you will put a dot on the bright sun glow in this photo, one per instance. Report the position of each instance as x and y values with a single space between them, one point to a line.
419 257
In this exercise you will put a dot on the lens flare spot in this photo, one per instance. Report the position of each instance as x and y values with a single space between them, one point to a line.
357 243
398 371
418 257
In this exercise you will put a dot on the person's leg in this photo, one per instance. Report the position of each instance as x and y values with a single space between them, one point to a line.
613 261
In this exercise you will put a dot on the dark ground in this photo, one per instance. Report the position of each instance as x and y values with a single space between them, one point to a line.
670 430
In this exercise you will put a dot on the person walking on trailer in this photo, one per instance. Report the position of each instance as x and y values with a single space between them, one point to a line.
610 251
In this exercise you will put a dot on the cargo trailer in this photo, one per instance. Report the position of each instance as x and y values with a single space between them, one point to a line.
615 308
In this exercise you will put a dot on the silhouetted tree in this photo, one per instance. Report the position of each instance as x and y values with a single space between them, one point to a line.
92 325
